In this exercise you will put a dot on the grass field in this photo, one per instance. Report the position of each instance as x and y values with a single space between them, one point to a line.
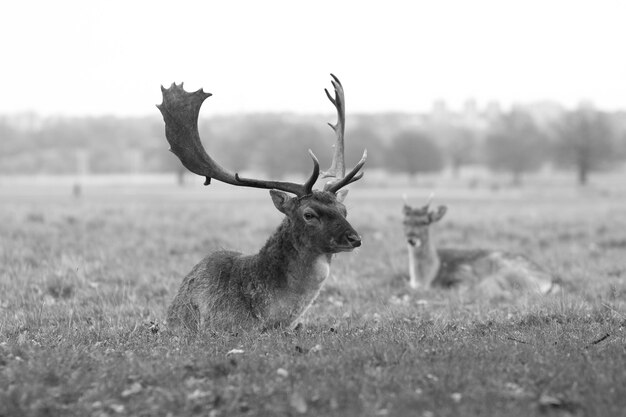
82 281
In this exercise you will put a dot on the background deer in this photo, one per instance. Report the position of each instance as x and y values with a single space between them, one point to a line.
490 273
273 288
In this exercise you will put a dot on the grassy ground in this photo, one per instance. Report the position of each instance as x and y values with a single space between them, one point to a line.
82 281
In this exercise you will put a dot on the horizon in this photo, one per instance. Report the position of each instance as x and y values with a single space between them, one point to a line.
468 106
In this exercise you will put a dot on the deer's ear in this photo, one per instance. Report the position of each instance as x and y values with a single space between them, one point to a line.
341 195
435 216
282 200
406 209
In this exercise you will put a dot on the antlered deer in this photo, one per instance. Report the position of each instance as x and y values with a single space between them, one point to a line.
490 273
273 288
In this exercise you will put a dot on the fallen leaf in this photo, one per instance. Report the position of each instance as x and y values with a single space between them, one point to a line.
513 390
549 401
234 352
197 394
316 348
333 403
282 372
298 402
133 389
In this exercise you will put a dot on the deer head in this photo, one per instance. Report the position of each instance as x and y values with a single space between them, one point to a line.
319 213
418 220
318 221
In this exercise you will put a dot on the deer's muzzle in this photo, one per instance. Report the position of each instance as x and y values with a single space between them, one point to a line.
348 241
353 239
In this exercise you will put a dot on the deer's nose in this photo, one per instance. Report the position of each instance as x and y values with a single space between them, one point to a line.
353 239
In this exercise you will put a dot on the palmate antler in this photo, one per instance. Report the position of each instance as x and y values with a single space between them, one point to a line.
337 168
180 111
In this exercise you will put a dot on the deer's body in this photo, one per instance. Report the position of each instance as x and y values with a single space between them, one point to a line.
226 290
490 273
270 289
273 288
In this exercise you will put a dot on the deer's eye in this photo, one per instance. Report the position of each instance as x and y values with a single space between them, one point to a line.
309 216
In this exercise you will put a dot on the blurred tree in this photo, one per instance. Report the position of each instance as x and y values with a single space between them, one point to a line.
170 163
223 140
9 137
461 148
412 152
279 146
255 137
289 154
515 145
586 140
364 137
157 153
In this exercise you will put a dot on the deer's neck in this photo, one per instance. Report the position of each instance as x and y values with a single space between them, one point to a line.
293 272
424 263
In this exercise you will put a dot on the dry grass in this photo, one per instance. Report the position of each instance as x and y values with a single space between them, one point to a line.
81 281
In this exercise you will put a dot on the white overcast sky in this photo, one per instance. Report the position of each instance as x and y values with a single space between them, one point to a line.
67 57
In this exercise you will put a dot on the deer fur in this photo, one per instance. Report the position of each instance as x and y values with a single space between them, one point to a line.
273 288
493 274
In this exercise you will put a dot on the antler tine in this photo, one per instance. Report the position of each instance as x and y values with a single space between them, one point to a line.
308 186
350 178
430 199
180 111
338 166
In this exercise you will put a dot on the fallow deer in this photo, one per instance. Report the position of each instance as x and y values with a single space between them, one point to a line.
273 288
493 274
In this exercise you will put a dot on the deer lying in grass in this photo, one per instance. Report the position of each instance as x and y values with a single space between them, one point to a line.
490 273
273 288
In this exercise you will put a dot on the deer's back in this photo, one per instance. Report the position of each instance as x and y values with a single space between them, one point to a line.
492 270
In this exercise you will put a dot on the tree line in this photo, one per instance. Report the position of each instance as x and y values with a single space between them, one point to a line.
517 141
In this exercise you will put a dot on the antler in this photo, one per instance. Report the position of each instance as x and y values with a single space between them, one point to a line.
338 166
430 198
180 111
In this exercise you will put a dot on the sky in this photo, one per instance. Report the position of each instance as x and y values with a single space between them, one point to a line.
68 57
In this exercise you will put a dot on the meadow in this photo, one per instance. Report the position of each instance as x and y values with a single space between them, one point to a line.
85 284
